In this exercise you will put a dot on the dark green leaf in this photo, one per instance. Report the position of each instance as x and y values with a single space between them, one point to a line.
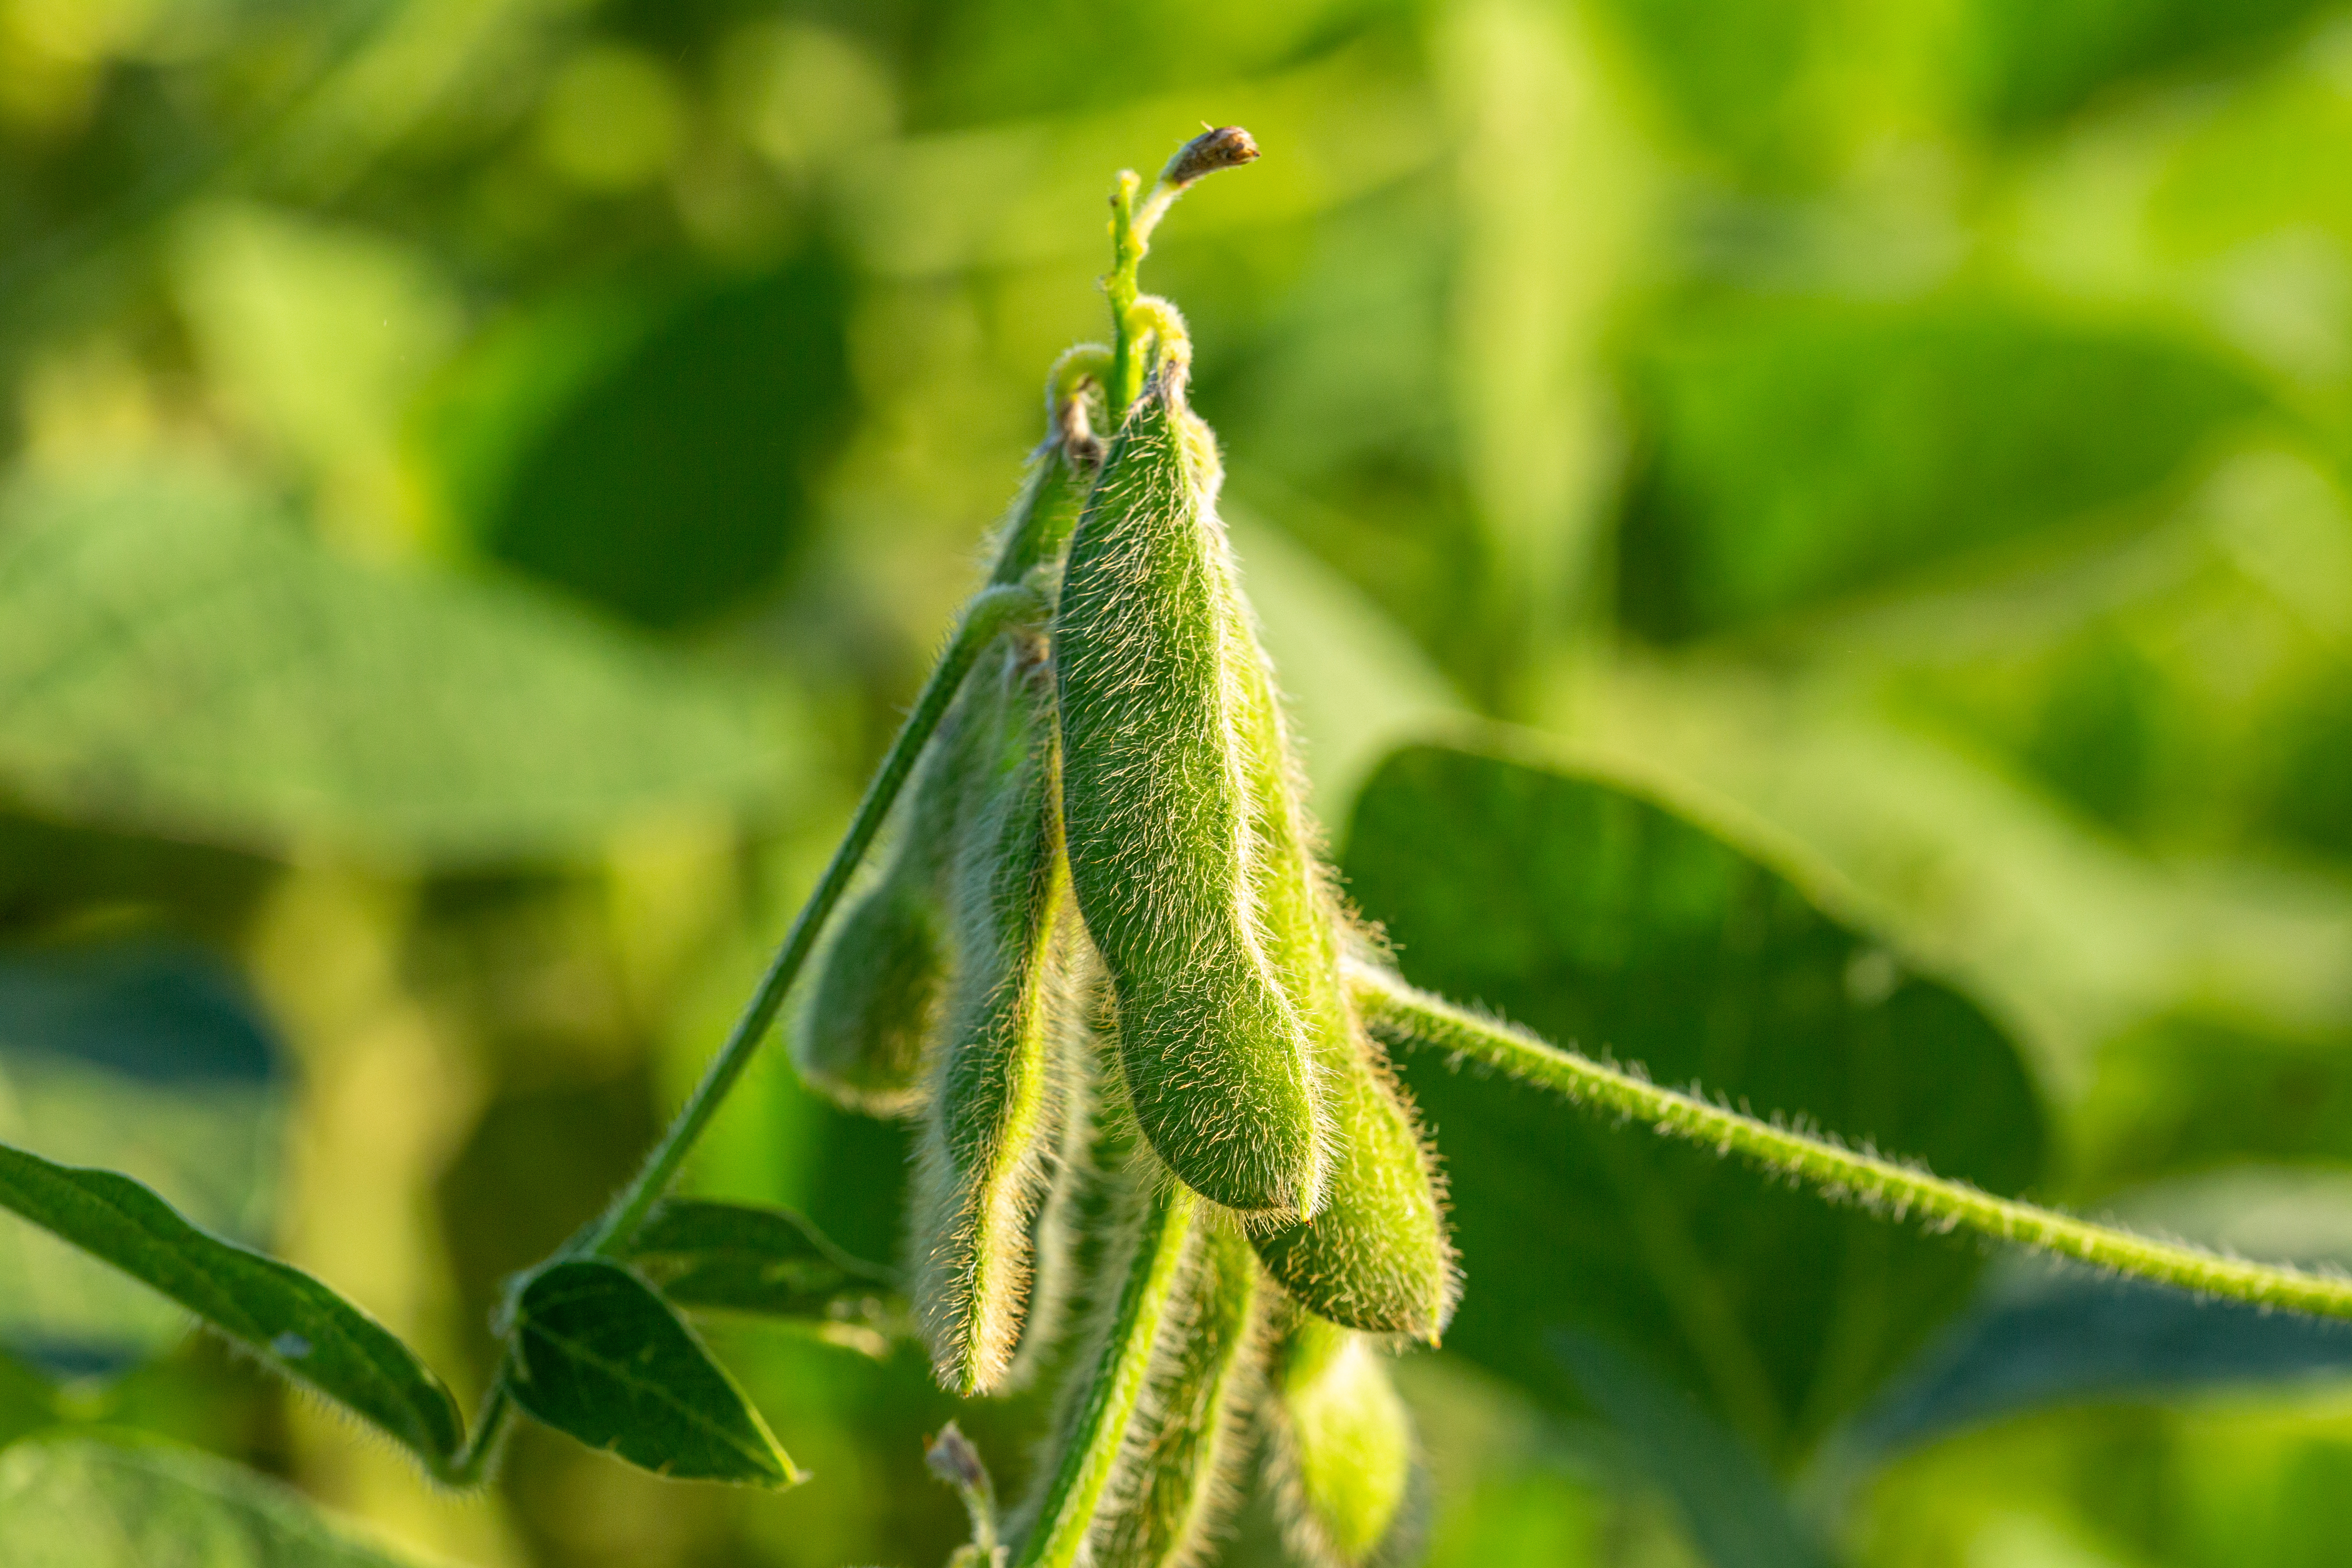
296 1325
84 1504
598 1355
2078 1337
1605 920
149 1059
1800 450
662 469
1736 1517
741 1258
173 658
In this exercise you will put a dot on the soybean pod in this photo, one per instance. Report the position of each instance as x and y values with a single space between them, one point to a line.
1340 1445
1157 812
1176 1483
999 1095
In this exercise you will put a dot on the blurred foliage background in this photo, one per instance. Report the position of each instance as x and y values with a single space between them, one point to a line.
482 477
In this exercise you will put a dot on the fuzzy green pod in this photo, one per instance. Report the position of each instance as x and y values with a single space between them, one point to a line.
1377 1257
1053 493
1176 1481
882 979
999 1097
1156 807
1341 1445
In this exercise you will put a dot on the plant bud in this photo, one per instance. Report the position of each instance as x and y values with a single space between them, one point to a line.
1000 1099
1341 1445
1175 1485
881 980
1157 809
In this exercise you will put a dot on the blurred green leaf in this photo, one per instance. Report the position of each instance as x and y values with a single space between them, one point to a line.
2027 62
1802 449
742 1258
80 1503
152 1060
295 1325
1736 1517
171 661
662 469
2045 1334
1587 909
598 1355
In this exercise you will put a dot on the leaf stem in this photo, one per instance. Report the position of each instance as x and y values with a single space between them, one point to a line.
989 612
1090 1451
1407 1015
466 1468
1127 247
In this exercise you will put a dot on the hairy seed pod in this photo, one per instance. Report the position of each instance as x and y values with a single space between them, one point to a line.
998 1099
881 980
1175 1486
1377 1257
1156 805
1341 1445
1052 494
1070 1172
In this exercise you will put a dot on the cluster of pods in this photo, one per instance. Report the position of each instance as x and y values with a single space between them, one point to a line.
1103 965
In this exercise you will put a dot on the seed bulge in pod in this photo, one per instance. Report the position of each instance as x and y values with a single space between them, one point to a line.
881 980
1175 1485
1341 1445
1000 1093
1377 1257
1156 809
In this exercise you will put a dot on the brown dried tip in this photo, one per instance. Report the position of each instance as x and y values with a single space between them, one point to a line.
1224 147
953 1459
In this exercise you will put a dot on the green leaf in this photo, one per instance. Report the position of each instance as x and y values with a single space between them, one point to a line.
79 1503
1803 449
293 1323
147 1058
598 1355
2044 1334
1736 1517
742 1258
174 659
1601 916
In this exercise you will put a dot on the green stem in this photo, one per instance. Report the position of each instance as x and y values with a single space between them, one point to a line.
465 1471
1090 1451
1126 247
988 612
1409 1015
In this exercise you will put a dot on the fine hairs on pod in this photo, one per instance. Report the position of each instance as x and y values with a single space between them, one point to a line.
1378 1257
1177 1479
1157 810
882 977
1340 1447
999 1095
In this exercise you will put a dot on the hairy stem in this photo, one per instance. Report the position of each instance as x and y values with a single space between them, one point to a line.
1091 1449
989 612
1126 245
1407 1015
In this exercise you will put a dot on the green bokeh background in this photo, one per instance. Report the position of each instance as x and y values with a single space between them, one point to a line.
479 480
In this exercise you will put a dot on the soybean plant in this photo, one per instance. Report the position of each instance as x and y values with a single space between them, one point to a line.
1104 969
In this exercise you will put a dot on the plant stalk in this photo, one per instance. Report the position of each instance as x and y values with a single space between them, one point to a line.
1090 1451
1407 1015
